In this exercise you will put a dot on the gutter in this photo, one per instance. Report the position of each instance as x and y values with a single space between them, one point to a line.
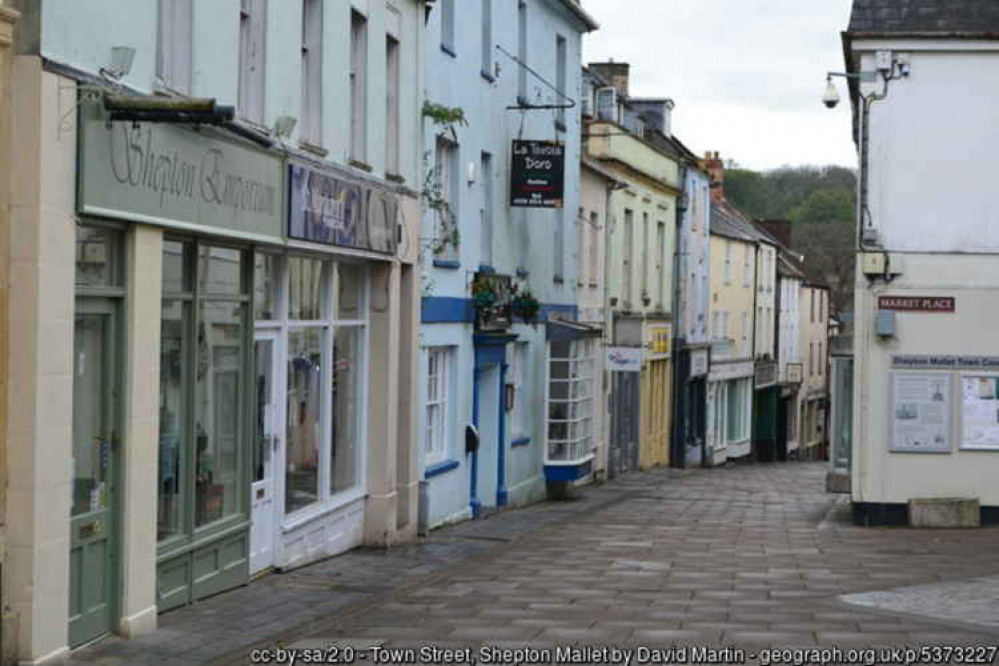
581 14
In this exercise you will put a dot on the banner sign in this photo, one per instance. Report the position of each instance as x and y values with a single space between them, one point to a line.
917 303
623 359
324 208
537 174
172 176
945 362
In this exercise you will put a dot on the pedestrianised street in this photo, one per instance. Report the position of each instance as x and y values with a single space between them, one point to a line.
749 556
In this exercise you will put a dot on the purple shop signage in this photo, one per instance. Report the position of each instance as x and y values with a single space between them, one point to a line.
327 209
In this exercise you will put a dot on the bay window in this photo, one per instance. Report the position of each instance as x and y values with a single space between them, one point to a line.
572 375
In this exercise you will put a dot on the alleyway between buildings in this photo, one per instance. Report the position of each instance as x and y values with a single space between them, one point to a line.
752 556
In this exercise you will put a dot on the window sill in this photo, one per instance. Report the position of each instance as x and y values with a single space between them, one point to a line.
486 269
522 101
594 285
558 279
448 50
561 126
395 178
440 468
487 76
363 166
520 441
321 510
313 148
449 264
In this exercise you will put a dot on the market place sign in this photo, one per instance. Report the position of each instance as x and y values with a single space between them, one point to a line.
172 176
326 208
537 174
917 303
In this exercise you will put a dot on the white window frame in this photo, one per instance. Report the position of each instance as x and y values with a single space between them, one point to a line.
581 395
593 256
358 86
393 87
252 60
522 49
437 424
517 376
329 323
627 252
312 72
486 56
728 262
487 212
746 282
446 153
174 45
448 26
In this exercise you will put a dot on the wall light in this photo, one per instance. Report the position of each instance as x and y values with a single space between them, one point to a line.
121 62
284 126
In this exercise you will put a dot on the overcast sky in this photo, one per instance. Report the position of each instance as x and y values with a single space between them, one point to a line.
746 75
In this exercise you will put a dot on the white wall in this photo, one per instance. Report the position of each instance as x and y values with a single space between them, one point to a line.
81 34
695 259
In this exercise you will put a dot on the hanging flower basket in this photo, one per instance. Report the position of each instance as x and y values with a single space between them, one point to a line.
491 302
525 306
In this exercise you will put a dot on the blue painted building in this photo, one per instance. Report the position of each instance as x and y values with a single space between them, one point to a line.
513 69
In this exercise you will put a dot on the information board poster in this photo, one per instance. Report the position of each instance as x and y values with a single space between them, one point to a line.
921 408
980 412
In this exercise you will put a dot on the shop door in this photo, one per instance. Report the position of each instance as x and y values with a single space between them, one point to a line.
268 427
93 556
624 423
657 403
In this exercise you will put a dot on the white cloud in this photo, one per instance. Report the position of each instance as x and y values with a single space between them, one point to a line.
746 75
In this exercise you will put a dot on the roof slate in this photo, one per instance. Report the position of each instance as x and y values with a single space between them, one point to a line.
925 16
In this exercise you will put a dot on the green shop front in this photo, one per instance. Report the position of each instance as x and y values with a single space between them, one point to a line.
170 221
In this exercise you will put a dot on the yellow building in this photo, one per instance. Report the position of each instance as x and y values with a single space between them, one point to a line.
630 138
813 327
734 247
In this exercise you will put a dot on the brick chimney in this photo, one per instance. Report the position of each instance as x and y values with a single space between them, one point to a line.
616 73
712 163
779 229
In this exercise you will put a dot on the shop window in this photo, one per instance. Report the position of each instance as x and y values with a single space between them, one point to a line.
265 287
350 292
438 370
202 376
304 418
348 407
305 289
571 401
738 410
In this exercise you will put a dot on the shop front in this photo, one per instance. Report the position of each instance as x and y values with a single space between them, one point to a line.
729 411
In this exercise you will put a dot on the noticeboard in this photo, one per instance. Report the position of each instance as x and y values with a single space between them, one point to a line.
537 174
980 412
920 412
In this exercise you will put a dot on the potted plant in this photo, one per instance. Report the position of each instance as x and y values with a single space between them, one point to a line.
484 300
524 305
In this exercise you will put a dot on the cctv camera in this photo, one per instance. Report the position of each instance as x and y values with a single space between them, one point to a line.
831 96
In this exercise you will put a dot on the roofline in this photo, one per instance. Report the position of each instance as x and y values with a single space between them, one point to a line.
581 14
922 34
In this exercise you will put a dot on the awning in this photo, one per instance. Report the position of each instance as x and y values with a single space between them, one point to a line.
558 330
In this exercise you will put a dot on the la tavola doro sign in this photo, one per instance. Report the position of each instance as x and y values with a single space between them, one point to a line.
173 176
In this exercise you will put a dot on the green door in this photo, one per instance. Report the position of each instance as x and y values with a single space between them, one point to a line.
93 557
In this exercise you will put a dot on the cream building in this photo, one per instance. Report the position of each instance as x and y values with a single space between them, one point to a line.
8 617
626 137
813 314
730 381
215 359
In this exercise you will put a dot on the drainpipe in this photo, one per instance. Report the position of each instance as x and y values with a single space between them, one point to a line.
501 493
678 457
473 500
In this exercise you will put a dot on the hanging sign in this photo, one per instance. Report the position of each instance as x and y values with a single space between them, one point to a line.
917 303
623 359
537 174
324 208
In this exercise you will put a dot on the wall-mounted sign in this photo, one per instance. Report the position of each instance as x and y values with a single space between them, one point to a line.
765 374
699 363
324 208
173 176
945 362
980 412
623 359
917 303
920 412
537 174
659 340
795 372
